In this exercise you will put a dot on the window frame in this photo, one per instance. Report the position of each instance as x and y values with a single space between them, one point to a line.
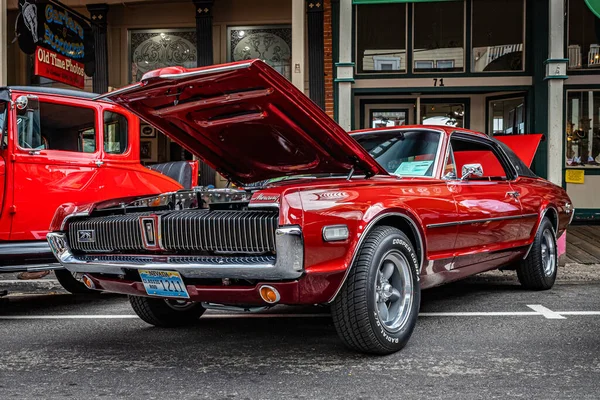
592 88
581 70
52 100
490 115
126 116
511 173
523 33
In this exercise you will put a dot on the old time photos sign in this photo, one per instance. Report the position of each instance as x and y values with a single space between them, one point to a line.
60 39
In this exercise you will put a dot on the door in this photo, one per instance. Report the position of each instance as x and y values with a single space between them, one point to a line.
489 210
56 159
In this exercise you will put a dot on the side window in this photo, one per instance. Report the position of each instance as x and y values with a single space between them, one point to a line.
470 152
3 122
450 166
115 133
49 126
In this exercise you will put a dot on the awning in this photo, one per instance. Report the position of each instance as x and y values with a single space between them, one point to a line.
594 5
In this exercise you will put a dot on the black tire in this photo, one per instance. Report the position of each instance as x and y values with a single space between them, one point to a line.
533 272
355 309
70 284
166 313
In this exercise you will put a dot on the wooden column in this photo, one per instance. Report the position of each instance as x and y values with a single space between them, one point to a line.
204 50
316 52
98 15
204 39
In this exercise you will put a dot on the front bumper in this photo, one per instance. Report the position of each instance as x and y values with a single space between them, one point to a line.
288 263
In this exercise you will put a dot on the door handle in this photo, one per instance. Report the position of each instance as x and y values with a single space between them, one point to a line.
98 163
514 195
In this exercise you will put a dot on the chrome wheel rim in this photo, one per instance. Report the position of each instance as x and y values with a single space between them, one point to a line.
393 291
179 305
548 248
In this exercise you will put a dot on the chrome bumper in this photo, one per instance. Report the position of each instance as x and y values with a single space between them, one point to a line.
288 264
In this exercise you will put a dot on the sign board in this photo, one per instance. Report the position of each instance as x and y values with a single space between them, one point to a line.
575 176
53 33
59 68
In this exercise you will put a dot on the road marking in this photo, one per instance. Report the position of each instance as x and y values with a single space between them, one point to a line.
546 312
478 314
539 310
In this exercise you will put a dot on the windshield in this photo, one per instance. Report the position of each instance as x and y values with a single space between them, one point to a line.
403 153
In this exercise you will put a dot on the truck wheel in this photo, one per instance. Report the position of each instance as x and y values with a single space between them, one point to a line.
377 308
166 313
69 283
538 270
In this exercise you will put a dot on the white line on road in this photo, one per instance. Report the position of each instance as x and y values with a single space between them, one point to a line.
546 312
540 311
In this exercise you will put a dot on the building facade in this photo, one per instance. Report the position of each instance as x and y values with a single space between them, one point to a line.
499 67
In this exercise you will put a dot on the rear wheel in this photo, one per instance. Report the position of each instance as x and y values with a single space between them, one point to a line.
378 305
166 313
69 283
538 270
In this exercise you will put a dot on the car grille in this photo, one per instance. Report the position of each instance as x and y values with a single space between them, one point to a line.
180 232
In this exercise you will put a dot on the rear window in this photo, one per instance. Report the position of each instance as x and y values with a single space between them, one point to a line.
520 166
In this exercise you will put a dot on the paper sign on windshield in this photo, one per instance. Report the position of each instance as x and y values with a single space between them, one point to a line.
415 168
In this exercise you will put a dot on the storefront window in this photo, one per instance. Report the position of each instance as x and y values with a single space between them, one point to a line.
583 128
159 48
381 38
583 36
272 44
498 35
443 114
507 116
388 118
438 36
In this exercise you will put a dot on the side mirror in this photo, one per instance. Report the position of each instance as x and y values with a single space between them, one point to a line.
469 170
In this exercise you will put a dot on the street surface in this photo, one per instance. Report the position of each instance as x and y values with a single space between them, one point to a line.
481 338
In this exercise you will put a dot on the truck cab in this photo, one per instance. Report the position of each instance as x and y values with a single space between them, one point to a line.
61 146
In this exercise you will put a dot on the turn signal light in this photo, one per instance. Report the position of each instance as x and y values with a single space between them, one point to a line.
87 281
269 294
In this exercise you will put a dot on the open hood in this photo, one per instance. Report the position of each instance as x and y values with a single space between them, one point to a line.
245 120
524 146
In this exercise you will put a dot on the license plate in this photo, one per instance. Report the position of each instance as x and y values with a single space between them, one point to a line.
163 283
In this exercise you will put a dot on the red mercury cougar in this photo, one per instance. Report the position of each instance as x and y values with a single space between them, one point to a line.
362 222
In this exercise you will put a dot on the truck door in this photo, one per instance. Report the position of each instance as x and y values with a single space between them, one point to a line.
56 156
3 139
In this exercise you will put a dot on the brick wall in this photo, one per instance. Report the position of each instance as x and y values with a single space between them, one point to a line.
328 57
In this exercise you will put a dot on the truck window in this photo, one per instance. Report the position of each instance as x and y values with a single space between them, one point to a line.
3 122
57 127
115 133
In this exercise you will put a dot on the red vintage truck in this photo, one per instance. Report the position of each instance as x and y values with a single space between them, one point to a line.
59 146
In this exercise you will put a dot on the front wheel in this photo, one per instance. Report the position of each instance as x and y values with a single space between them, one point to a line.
538 270
378 305
166 313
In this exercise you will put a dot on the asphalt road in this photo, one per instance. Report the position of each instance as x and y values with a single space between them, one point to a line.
498 341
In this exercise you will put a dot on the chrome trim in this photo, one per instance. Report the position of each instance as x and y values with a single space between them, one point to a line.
542 215
289 263
478 221
63 224
277 298
367 229
263 205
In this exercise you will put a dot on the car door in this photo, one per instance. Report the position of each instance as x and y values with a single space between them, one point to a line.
56 155
489 210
